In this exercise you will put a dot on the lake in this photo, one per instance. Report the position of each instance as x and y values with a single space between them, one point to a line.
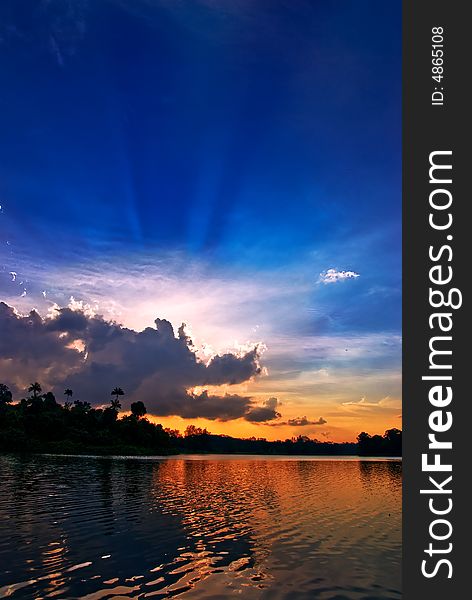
209 527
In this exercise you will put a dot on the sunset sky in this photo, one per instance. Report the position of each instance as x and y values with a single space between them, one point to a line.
233 165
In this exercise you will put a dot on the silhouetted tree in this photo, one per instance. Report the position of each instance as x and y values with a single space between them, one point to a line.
192 430
117 392
393 438
392 435
138 409
5 394
40 424
390 444
50 400
68 392
81 406
363 439
35 389
197 439
173 433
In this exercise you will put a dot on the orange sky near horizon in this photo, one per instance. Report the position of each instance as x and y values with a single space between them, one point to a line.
343 421
346 431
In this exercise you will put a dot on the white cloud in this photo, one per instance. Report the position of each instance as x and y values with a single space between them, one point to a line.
364 403
333 276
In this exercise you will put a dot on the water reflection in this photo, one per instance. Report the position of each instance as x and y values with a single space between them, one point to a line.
107 528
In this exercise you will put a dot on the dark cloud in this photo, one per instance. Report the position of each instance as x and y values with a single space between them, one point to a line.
229 368
26 341
223 408
266 412
92 355
68 320
300 422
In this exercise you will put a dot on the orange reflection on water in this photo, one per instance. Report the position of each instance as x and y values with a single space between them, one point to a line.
205 527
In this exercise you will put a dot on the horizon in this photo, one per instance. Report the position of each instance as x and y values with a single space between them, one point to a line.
36 391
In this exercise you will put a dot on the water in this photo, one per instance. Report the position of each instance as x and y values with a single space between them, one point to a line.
200 527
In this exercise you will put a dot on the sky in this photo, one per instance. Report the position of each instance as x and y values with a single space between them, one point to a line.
234 166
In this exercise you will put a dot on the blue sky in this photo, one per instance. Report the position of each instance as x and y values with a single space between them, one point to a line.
225 153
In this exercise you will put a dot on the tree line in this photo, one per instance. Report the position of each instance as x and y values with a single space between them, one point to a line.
39 423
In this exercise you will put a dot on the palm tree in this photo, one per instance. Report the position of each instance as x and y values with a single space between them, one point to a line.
35 388
116 404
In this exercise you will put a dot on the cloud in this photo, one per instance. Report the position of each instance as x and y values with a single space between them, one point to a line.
68 320
387 404
222 408
91 355
266 412
300 422
363 403
232 369
307 358
333 276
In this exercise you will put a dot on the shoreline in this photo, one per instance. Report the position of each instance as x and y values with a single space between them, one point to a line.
210 456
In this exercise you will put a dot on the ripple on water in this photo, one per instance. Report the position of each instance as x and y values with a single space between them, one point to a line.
74 527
